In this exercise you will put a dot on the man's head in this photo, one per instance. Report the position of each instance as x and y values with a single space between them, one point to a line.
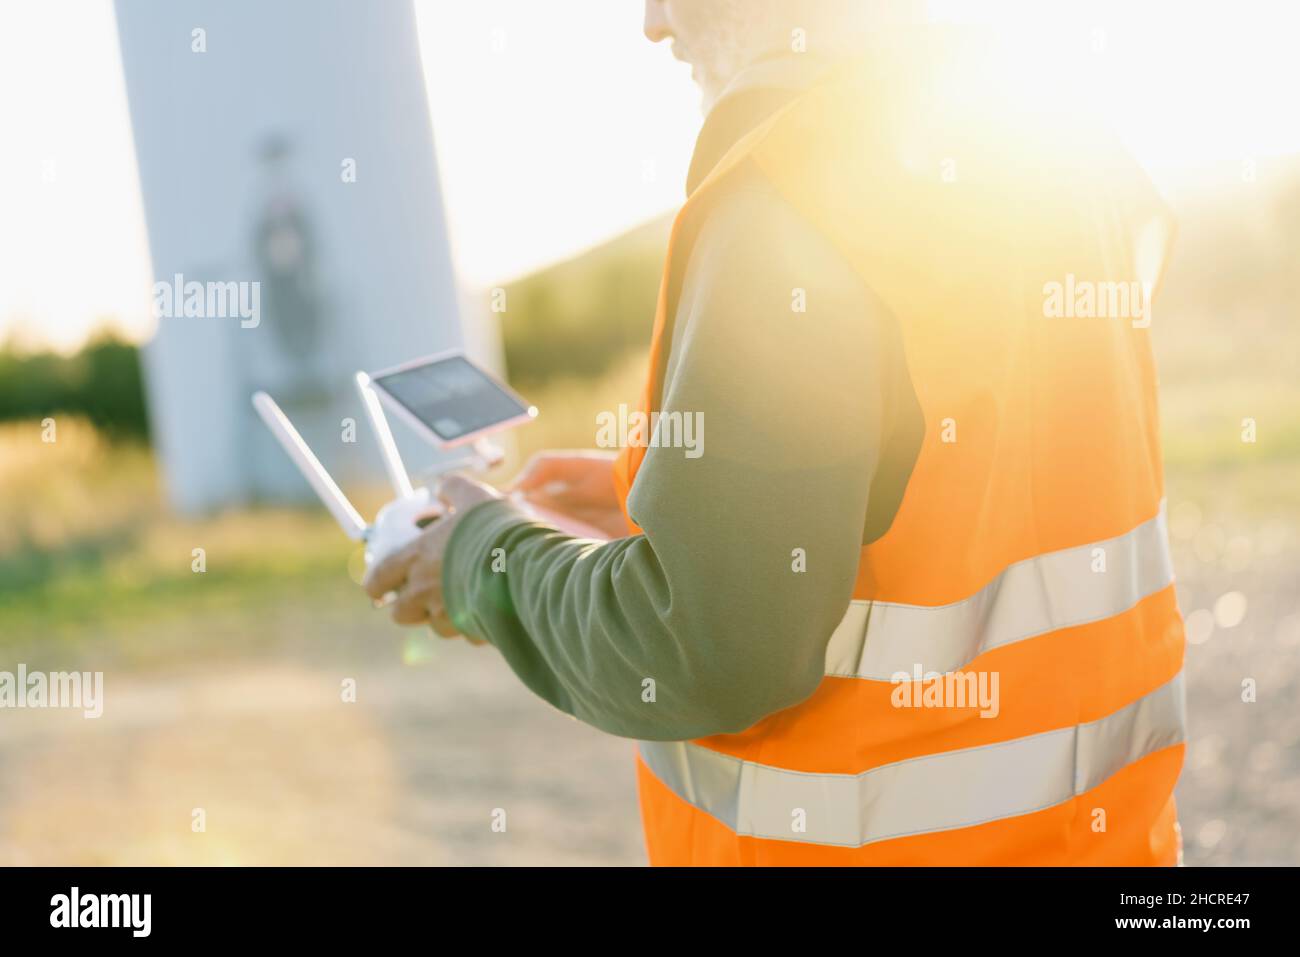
719 38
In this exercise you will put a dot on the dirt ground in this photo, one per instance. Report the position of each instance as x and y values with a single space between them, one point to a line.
1239 795
411 773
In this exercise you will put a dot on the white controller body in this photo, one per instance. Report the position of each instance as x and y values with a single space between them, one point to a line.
396 526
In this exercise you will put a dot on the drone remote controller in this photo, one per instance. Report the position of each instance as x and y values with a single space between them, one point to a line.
400 521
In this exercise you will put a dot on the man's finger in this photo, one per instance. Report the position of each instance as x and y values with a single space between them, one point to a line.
389 574
461 493
545 468
412 607
440 623
537 472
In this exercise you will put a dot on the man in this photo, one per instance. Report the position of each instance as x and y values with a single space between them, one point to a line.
913 604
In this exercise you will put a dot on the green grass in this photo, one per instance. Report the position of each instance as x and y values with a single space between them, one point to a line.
88 552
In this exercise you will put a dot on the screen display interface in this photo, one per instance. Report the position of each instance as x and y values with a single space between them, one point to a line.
452 397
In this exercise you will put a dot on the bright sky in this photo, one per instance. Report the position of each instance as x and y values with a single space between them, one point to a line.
577 127
557 126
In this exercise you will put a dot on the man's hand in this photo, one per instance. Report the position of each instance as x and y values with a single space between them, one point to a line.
415 572
577 484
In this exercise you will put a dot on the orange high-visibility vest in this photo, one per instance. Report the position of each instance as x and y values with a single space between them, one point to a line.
1018 247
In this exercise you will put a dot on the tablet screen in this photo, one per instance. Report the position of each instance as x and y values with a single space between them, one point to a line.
452 397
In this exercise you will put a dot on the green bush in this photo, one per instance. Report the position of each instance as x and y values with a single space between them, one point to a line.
581 318
102 383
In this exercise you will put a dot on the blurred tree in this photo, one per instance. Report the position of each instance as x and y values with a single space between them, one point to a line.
579 318
101 382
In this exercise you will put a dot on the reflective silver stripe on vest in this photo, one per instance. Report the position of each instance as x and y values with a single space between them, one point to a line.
1033 597
937 792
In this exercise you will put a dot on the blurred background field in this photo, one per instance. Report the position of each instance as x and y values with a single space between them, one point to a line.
223 687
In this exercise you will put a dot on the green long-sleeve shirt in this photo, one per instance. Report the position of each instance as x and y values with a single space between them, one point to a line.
719 613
